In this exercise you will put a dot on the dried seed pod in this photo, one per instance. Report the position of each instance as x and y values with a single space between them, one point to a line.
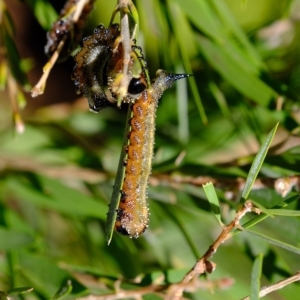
90 71
65 28
99 66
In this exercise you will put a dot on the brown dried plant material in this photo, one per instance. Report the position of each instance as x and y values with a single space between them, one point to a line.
90 73
60 37
98 71
67 29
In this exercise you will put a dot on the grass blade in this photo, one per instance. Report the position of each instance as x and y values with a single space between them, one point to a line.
212 197
232 71
255 278
257 163
115 197
275 242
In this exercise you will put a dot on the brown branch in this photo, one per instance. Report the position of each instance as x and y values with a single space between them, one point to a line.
191 280
39 88
232 187
281 185
203 264
161 290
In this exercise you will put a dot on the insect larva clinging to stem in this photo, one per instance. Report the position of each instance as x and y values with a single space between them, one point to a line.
132 214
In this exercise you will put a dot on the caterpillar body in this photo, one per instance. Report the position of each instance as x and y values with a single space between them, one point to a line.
96 73
132 214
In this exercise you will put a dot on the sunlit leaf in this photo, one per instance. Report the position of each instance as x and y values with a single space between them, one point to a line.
44 12
257 163
213 200
246 83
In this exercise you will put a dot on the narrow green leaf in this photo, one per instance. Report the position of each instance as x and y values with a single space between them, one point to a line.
7 21
15 60
45 275
3 75
115 197
182 29
57 197
44 12
255 278
263 216
212 197
182 104
284 212
244 82
262 208
64 290
134 15
275 242
172 213
231 24
253 222
257 163
201 14
20 290
221 100
188 49
21 99
12 239
292 199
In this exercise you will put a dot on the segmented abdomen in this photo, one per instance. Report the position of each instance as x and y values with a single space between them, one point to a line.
133 215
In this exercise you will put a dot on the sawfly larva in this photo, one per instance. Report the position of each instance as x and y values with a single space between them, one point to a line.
132 214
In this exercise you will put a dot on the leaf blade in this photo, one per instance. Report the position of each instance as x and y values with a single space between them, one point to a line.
257 163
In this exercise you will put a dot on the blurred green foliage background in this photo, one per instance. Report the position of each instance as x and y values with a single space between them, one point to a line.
56 178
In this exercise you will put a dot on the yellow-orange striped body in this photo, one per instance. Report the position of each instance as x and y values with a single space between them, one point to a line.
132 217
133 213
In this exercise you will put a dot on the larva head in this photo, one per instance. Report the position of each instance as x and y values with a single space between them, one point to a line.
136 87
163 81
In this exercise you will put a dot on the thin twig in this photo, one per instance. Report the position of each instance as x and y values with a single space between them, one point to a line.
39 88
232 187
281 185
190 281
277 286
161 290
126 46
203 264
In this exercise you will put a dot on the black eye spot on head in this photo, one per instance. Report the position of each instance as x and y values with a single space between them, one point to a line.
136 86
